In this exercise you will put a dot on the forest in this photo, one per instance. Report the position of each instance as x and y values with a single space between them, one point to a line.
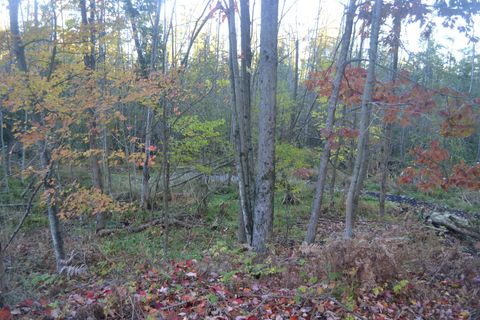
239 159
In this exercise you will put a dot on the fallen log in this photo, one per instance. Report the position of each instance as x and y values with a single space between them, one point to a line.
142 227
454 223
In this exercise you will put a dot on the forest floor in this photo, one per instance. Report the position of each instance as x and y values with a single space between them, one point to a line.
395 268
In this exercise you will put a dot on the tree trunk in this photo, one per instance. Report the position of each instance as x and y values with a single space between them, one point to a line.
364 120
329 126
17 45
3 283
265 181
89 61
335 163
24 150
242 130
387 143
472 69
166 175
245 76
131 13
145 192
19 52
478 148
52 211
362 175
4 155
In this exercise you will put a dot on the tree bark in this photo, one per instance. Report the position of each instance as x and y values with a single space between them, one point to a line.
245 76
89 61
145 192
335 163
329 126
4 155
265 181
388 127
364 120
52 211
132 13
242 130
166 174
17 45
3 283
472 68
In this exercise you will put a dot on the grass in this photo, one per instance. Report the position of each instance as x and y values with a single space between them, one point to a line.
120 254
454 198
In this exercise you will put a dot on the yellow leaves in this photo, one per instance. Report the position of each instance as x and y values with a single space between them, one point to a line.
33 136
66 155
50 120
116 157
119 116
92 152
89 201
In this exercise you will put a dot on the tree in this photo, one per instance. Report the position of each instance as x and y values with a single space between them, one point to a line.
265 181
4 147
3 284
399 10
240 83
89 61
329 126
364 120
44 151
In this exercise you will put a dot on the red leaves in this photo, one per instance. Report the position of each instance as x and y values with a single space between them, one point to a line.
459 122
348 133
431 170
466 177
303 173
5 314
412 101
430 167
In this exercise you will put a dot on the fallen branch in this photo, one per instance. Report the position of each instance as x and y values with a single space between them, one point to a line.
140 228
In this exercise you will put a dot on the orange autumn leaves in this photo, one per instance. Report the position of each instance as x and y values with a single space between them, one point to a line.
399 100
432 170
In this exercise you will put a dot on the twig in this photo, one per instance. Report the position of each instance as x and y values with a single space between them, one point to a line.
344 307
175 305
142 227
27 212
261 303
